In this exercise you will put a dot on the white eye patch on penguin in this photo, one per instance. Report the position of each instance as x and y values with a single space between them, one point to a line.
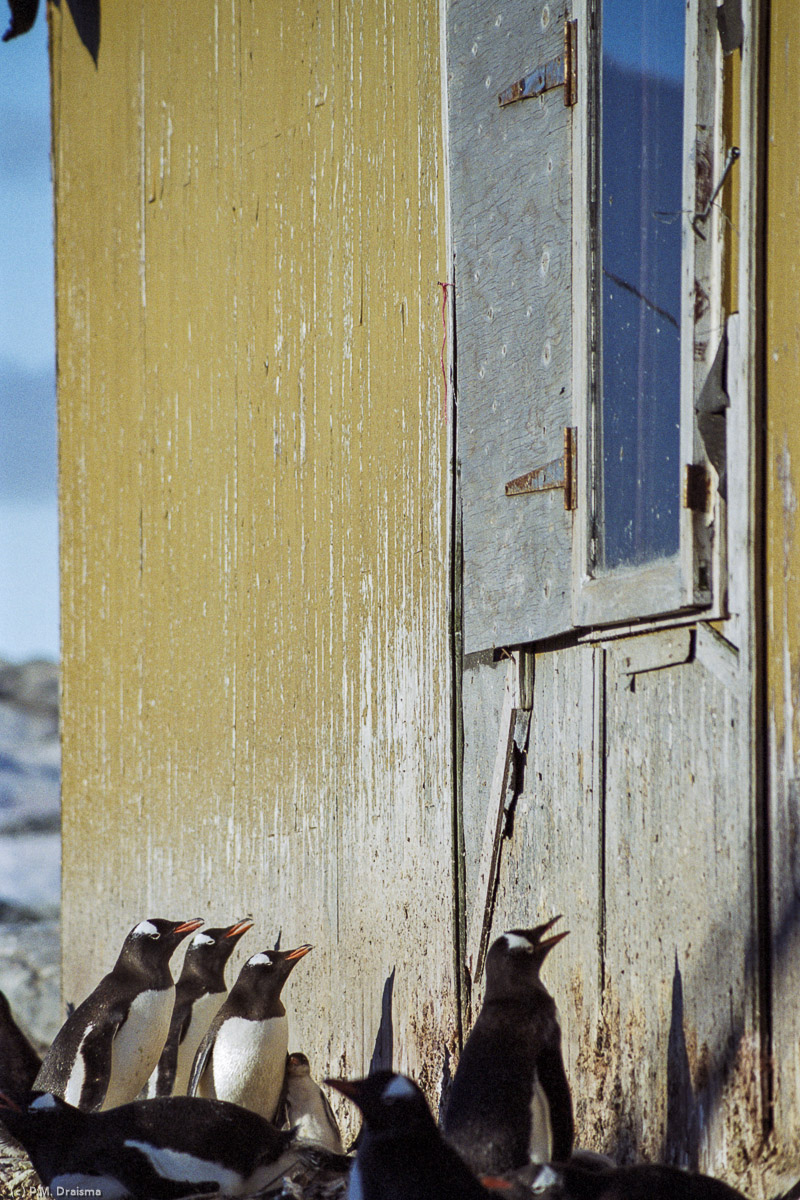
516 941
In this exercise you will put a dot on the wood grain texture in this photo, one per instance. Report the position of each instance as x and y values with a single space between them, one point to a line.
254 501
682 954
551 854
782 358
511 214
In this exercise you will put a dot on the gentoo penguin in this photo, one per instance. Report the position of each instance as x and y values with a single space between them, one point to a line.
645 1181
105 1052
307 1109
510 1102
199 993
242 1058
19 1062
155 1149
401 1154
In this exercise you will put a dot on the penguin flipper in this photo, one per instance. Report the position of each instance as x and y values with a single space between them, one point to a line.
329 1113
553 1079
201 1060
168 1062
95 1050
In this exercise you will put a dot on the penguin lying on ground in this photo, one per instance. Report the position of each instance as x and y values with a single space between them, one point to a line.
199 993
510 1102
401 1154
105 1052
242 1058
159 1149
307 1109
19 1062
645 1181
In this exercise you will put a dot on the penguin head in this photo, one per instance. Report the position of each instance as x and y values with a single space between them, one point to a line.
210 949
387 1100
515 959
297 1065
150 944
46 1120
267 971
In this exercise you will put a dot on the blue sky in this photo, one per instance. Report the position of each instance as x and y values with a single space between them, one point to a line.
28 513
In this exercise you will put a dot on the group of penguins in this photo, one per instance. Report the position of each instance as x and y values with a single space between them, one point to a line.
154 1091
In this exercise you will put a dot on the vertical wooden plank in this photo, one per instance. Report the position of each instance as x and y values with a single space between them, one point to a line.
511 214
551 858
680 1069
254 501
782 358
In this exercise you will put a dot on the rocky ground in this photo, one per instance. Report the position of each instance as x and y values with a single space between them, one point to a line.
30 846
30 870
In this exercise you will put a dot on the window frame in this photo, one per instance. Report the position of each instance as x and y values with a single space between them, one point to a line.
692 580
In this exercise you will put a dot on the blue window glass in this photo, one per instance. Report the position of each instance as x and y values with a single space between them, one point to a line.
640 196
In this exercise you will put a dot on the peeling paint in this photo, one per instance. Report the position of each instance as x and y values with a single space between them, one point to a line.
255 557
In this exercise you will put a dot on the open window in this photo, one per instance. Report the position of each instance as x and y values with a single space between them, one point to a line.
586 154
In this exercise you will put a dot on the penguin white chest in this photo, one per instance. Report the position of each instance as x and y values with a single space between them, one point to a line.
137 1047
203 1012
306 1108
540 1147
248 1064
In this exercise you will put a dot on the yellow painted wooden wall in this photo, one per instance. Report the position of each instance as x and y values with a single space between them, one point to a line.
781 491
254 499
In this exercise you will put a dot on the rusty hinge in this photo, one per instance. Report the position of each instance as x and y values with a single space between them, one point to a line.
696 488
560 473
559 71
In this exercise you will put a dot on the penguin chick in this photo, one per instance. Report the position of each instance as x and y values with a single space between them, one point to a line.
199 993
160 1149
19 1062
307 1107
104 1053
242 1058
510 1102
401 1154
645 1181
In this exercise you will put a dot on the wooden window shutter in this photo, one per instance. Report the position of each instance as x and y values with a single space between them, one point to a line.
511 213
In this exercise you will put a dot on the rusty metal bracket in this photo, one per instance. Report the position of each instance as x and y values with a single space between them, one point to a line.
561 71
696 488
559 473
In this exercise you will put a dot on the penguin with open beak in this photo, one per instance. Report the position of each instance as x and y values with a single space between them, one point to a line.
242 1057
199 994
159 1149
106 1050
510 1102
401 1154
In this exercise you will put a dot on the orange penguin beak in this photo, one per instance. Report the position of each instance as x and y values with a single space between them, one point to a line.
189 926
240 927
300 952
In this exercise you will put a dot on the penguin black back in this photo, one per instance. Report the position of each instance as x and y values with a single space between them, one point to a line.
510 1101
161 1149
401 1154
105 1051
19 1062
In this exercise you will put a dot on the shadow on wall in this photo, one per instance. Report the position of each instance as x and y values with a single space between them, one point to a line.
86 17
383 1052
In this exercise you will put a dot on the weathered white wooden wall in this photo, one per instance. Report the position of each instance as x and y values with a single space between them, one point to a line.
254 494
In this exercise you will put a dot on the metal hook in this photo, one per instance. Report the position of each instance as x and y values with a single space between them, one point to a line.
702 217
